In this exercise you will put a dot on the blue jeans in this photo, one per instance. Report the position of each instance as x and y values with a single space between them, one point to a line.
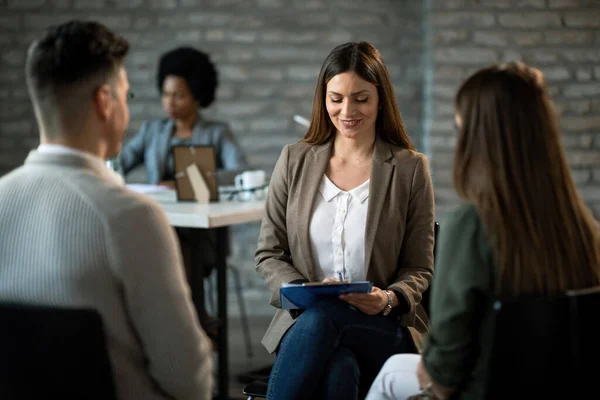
334 352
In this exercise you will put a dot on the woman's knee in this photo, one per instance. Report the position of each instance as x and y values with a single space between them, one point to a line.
401 363
397 378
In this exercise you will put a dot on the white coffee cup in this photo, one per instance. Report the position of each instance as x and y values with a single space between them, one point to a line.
250 180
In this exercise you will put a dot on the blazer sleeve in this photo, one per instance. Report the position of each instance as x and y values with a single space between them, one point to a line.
415 263
145 256
132 153
273 256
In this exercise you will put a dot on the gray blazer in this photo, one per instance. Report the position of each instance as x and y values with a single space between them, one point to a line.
399 231
151 147
72 237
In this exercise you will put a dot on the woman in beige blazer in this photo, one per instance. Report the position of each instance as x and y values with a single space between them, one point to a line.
353 199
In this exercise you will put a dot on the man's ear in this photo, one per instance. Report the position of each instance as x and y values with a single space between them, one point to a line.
103 102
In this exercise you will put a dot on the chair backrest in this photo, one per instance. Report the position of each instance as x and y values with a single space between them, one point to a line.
427 293
545 347
48 353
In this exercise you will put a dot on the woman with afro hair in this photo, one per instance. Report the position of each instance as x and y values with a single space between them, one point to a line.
187 82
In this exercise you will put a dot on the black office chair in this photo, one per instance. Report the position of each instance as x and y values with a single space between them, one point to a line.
546 347
53 353
258 388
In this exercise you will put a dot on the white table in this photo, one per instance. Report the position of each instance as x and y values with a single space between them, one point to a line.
206 216
217 216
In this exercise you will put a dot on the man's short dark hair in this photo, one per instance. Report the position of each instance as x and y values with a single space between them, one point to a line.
72 53
195 67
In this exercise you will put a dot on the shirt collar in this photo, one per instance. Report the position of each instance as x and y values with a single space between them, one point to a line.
329 190
51 148
361 192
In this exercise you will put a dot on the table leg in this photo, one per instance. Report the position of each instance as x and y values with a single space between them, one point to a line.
197 286
222 245
196 278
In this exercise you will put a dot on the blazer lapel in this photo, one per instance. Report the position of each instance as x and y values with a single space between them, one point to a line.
381 174
162 148
313 169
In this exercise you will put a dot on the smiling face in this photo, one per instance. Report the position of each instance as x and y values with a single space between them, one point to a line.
352 104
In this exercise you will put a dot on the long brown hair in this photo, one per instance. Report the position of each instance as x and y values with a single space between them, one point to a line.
510 164
364 60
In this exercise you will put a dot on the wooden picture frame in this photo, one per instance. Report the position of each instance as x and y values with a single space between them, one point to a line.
205 159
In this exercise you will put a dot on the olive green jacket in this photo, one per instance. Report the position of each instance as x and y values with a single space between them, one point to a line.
456 352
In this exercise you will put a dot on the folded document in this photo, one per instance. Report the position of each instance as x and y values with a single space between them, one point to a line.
303 295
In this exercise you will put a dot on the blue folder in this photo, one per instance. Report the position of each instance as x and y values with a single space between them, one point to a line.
294 296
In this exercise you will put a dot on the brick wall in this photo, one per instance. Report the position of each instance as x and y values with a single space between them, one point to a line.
560 37
268 53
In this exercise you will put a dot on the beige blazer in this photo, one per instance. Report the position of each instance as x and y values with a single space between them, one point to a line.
399 230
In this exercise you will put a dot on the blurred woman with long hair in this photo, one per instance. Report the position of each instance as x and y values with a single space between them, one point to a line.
523 230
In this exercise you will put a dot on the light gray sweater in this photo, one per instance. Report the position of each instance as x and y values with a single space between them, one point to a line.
71 236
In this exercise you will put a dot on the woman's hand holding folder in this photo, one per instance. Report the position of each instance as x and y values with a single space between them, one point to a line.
369 303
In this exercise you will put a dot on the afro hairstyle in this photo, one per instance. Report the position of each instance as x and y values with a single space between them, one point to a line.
195 67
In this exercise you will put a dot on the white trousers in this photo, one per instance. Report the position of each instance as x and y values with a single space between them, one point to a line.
397 379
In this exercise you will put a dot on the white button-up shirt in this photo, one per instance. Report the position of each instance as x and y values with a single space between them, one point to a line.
337 231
